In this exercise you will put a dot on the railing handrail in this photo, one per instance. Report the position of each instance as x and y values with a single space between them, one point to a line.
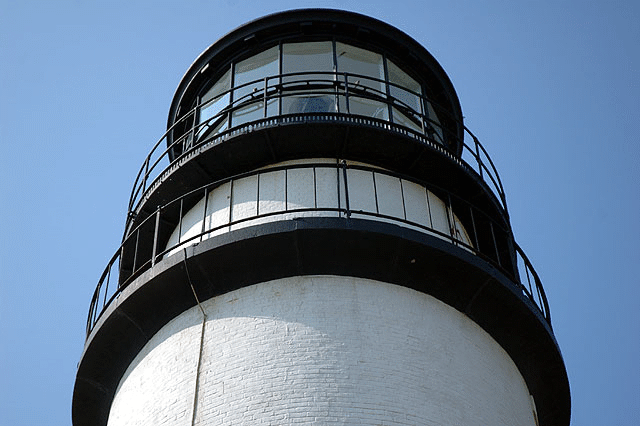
106 292
150 168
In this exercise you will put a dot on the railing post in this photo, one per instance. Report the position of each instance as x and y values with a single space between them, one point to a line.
346 188
338 186
155 237
106 289
190 140
286 190
404 204
89 320
387 91
476 142
204 213
180 221
513 251
450 219
346 93
423 115
526 269
495 243
231 200
135 251
264 115
375 193
475 231
92 311
144 176
426 193
257 195
120 270
315 189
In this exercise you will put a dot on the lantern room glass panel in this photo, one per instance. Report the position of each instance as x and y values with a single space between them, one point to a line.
365 95
249 74
434 129
404 88
250 78
313 90
405 92
362 63
212 103
306 58
310 77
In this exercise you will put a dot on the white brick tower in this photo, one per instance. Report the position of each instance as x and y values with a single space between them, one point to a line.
318 239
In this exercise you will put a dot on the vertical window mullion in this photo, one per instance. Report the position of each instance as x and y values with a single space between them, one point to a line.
404 206
232 83
387 88
315 189
230 202
338 186
204 214
429 208
335 75
258 196
180 221
422 111
426 124
375 191
280 68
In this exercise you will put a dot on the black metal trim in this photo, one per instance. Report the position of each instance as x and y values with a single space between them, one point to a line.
322 246
330 24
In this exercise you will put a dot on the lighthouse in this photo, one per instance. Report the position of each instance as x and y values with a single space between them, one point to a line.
318 239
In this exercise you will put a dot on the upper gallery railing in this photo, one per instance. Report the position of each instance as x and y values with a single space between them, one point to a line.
312 96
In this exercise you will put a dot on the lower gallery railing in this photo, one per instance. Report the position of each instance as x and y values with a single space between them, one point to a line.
313 188
331 189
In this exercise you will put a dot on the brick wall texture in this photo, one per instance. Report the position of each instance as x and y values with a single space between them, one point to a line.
322 350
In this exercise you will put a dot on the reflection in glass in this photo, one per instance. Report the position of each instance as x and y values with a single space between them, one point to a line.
307 57
359 105
212 103
308 103
250 86
411 121
363 62
254 111
362 91
397 77
406 91
255 69
434 129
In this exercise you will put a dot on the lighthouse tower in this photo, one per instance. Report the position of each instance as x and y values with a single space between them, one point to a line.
318 239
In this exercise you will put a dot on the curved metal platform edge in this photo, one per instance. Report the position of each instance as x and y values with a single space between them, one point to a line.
320 246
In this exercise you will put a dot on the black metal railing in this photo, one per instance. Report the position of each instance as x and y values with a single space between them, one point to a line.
261 103
148 243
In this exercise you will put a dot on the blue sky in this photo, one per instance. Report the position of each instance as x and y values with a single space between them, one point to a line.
551 88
